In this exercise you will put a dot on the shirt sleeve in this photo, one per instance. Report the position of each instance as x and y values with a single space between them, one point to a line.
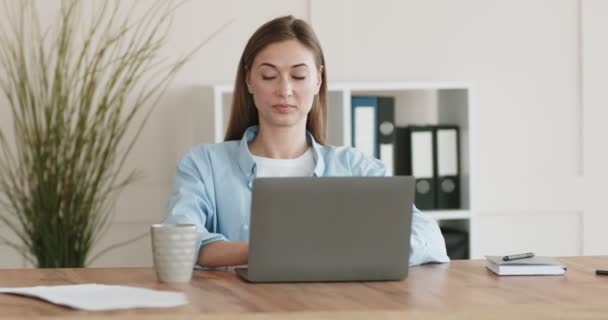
190 203
426 241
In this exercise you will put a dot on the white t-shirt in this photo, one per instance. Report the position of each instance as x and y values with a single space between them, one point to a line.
302 166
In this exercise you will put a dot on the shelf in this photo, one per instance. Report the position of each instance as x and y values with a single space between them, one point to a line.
455 214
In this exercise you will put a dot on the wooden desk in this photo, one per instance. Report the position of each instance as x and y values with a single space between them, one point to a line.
458 290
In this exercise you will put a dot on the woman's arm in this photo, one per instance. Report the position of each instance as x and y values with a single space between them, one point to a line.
223 254
190 203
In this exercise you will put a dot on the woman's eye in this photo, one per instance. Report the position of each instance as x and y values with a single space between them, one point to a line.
299 78
268 77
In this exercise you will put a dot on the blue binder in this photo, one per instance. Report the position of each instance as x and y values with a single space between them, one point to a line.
364 125
373 128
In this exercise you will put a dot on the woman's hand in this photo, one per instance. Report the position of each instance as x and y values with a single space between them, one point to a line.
223 254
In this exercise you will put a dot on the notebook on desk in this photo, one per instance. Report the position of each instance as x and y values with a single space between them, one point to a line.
523 267
329 229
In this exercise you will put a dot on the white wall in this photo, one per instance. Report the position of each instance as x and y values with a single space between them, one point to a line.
535 138
595 115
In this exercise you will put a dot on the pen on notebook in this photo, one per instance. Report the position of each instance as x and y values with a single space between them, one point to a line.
518 256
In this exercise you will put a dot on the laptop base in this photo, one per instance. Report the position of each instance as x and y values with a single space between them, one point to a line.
243 273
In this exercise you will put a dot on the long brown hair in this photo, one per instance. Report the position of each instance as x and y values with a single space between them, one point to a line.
243 113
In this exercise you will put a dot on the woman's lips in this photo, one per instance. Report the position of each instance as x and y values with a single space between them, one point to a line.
283 108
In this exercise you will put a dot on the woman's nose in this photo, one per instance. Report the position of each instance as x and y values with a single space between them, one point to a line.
285 88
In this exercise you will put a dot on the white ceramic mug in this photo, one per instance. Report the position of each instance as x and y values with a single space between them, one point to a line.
174 250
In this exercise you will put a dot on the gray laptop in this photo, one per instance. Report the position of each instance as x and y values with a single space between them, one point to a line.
329 229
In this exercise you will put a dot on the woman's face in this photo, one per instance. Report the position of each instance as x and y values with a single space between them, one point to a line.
284 80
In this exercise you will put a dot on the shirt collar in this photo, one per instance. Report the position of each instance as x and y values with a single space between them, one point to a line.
247 164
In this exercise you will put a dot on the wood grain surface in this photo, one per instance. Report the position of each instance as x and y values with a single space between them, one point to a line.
458 290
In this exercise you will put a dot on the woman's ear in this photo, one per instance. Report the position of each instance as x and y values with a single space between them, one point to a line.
319 78
248 80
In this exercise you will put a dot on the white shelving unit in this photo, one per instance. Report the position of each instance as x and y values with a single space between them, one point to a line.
416 103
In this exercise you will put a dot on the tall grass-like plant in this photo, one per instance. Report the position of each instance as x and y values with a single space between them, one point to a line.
80 93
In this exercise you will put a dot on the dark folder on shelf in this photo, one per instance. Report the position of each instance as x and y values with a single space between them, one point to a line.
456 242
414 156
447 168
386 132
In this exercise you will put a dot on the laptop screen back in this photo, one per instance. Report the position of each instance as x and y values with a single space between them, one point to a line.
330 228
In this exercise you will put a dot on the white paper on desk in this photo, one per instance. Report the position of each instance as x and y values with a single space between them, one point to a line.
97 297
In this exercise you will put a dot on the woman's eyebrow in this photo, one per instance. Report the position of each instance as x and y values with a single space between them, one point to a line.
275 67
299 65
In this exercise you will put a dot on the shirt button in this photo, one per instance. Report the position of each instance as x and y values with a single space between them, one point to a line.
245 232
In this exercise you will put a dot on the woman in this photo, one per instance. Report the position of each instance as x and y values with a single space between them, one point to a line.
277 128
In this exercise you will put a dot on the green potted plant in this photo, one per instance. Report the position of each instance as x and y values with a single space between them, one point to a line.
77 95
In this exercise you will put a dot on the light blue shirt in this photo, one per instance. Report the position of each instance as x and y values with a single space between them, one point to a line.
212 189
